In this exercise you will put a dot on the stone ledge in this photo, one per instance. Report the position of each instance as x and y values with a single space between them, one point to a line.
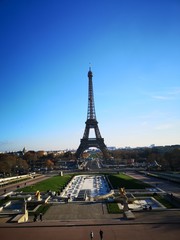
23 217
129 215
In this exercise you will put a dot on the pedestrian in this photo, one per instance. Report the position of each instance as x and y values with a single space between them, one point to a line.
101 234
91 235
35 217
40 217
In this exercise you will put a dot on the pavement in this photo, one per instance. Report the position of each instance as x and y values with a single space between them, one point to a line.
76 221
161 184
24 183
85 213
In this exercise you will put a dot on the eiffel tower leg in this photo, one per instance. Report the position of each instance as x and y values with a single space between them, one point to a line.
80 150
92 142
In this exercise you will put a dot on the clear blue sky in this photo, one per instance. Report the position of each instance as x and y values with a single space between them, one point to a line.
45 50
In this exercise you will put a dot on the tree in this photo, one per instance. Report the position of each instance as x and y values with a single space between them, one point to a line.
31 158
49 164
7 163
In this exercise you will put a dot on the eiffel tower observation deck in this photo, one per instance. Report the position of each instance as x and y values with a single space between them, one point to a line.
91 123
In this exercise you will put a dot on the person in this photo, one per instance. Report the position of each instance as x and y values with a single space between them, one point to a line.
101 234
35 217
40 217
145 208
171 196
91 235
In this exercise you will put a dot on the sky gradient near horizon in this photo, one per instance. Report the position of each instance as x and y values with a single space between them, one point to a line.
46 47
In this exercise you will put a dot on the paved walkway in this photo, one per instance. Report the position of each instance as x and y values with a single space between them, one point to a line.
165 185
162 225
79 210
83 213
124 232
23 183
96 214
75 221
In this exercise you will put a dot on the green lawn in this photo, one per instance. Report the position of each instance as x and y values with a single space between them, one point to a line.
42 209
123 180
165 202
113 208
54 184
58 182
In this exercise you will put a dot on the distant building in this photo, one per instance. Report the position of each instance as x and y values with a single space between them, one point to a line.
111 148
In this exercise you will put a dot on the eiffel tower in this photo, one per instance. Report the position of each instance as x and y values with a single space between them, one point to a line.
91 123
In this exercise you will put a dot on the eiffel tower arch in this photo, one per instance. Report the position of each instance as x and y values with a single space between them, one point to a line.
91 123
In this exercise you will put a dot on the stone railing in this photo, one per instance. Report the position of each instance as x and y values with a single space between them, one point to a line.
105 196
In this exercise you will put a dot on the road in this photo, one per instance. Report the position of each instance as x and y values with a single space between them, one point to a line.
164 185
13 187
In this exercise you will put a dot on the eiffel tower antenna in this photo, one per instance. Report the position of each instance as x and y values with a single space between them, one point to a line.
91 123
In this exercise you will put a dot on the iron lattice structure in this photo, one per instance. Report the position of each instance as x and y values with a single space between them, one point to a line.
91 123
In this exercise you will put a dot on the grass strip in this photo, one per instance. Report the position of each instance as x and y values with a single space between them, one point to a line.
164 202
113 208
123 180
55 183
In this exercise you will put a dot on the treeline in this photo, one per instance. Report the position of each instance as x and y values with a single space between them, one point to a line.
168 157
22 163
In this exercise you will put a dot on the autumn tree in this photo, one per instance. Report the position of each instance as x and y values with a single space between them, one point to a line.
31 158
7 162
49 164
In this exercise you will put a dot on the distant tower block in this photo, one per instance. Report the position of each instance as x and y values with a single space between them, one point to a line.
91 123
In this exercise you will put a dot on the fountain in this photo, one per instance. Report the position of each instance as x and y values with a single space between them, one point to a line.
87 187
